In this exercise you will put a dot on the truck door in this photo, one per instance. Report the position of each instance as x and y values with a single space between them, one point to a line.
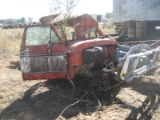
42 54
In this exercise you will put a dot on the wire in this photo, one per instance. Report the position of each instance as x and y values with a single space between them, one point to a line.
74 103
71 82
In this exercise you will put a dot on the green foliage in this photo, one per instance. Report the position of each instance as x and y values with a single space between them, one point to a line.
13 21
65 7
109 15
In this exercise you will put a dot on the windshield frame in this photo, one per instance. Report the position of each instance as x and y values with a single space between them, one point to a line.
42 25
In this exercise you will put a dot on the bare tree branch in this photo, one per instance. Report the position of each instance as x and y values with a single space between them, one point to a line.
74 103
64 7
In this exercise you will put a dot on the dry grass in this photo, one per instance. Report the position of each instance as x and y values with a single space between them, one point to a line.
10 41
107 29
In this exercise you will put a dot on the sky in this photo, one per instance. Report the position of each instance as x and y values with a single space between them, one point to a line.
39 8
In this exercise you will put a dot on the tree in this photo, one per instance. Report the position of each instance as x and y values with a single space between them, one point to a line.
65 8
109 15
23 20
30 20
10 21
2 21
13 21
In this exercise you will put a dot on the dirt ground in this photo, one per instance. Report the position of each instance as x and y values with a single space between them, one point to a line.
45 100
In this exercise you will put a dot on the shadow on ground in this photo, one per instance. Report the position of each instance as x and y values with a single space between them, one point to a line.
48 105
14 65
146 111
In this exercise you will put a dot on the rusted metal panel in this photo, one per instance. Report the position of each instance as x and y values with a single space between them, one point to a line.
124 28
40 63
140 30
46 75
131 29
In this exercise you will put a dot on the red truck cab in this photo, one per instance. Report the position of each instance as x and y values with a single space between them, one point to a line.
45 55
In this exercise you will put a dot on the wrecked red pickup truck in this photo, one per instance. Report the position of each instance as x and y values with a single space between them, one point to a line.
46 55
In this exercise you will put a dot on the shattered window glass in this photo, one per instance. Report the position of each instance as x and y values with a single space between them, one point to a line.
40 36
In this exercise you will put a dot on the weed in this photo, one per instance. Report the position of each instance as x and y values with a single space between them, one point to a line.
10 41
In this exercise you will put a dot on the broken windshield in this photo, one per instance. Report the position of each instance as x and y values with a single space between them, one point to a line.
40 36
